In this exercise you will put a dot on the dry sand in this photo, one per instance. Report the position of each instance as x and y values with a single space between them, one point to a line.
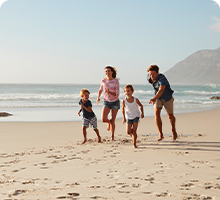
46 161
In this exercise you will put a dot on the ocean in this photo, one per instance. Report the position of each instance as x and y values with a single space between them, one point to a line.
59 102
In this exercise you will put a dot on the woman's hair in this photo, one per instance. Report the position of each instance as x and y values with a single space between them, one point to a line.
129 86
83 91
153 68
113 69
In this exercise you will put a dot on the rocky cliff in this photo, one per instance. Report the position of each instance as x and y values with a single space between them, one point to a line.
200 68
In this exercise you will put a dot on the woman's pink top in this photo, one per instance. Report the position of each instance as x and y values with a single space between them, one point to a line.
113 86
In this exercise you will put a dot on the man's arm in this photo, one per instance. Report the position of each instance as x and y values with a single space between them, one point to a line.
158 95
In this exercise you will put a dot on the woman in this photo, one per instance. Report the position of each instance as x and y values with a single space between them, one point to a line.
110 86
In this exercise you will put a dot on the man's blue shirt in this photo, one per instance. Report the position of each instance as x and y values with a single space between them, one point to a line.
162 80
87 114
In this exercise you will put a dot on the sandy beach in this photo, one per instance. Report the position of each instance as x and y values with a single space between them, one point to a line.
45 160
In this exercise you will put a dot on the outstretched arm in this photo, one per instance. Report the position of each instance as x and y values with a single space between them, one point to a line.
98 98
158 95
123 111
141 107
79 111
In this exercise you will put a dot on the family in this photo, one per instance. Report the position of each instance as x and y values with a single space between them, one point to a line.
132 109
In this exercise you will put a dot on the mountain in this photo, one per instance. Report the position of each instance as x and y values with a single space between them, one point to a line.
200 68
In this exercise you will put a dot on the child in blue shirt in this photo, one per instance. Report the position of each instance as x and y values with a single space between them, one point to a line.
88 115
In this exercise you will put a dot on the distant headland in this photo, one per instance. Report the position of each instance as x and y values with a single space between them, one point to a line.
200 68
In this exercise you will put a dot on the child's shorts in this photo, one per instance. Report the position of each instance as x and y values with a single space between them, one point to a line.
131 121
92 121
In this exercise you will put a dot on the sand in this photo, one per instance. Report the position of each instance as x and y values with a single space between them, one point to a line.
47 161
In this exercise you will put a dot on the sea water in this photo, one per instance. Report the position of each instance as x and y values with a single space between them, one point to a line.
60 102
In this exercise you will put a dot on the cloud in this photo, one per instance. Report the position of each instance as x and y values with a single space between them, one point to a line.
1 2
215 27
217 2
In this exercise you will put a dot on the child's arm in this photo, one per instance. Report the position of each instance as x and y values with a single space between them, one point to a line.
89 109
141 106
123 111
79 111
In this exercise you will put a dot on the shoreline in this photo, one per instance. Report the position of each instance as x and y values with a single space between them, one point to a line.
69 114
44 160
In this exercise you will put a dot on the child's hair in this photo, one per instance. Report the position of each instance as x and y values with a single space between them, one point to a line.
129 86
153 68
113 69
83 91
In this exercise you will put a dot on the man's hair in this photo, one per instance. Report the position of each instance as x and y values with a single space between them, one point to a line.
153 68
83 91
129 86
113 69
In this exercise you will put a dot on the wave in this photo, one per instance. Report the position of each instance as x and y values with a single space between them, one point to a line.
202 93
197 102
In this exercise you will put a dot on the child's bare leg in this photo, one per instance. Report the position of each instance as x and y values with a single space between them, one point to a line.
84 134
135 140
129 129
134 133
97 133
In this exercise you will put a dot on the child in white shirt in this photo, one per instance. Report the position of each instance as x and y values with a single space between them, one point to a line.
131 112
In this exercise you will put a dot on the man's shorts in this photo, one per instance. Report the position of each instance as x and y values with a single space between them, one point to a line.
167 105
131 121
92 121
112 105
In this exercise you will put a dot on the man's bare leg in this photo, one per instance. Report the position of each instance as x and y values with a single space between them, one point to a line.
158 122
173 125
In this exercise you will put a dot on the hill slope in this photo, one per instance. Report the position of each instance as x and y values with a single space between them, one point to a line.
200 68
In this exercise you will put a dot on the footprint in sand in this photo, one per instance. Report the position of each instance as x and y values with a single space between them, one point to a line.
18 192
198 196
186 186
28 182
162 194
70 196
127 192
98 197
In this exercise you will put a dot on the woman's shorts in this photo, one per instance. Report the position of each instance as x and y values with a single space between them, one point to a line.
131 121
112 105
92 121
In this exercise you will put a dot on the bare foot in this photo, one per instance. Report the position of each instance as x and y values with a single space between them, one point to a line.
108 126
175 136
135 146
84 141
99 139
160 138
113 138
130 134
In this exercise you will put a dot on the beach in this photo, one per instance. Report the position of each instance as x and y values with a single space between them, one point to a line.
45 160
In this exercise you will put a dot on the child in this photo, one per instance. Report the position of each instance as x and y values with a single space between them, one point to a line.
130 110
88 115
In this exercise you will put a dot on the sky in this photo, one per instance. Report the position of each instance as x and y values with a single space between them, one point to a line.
71 41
